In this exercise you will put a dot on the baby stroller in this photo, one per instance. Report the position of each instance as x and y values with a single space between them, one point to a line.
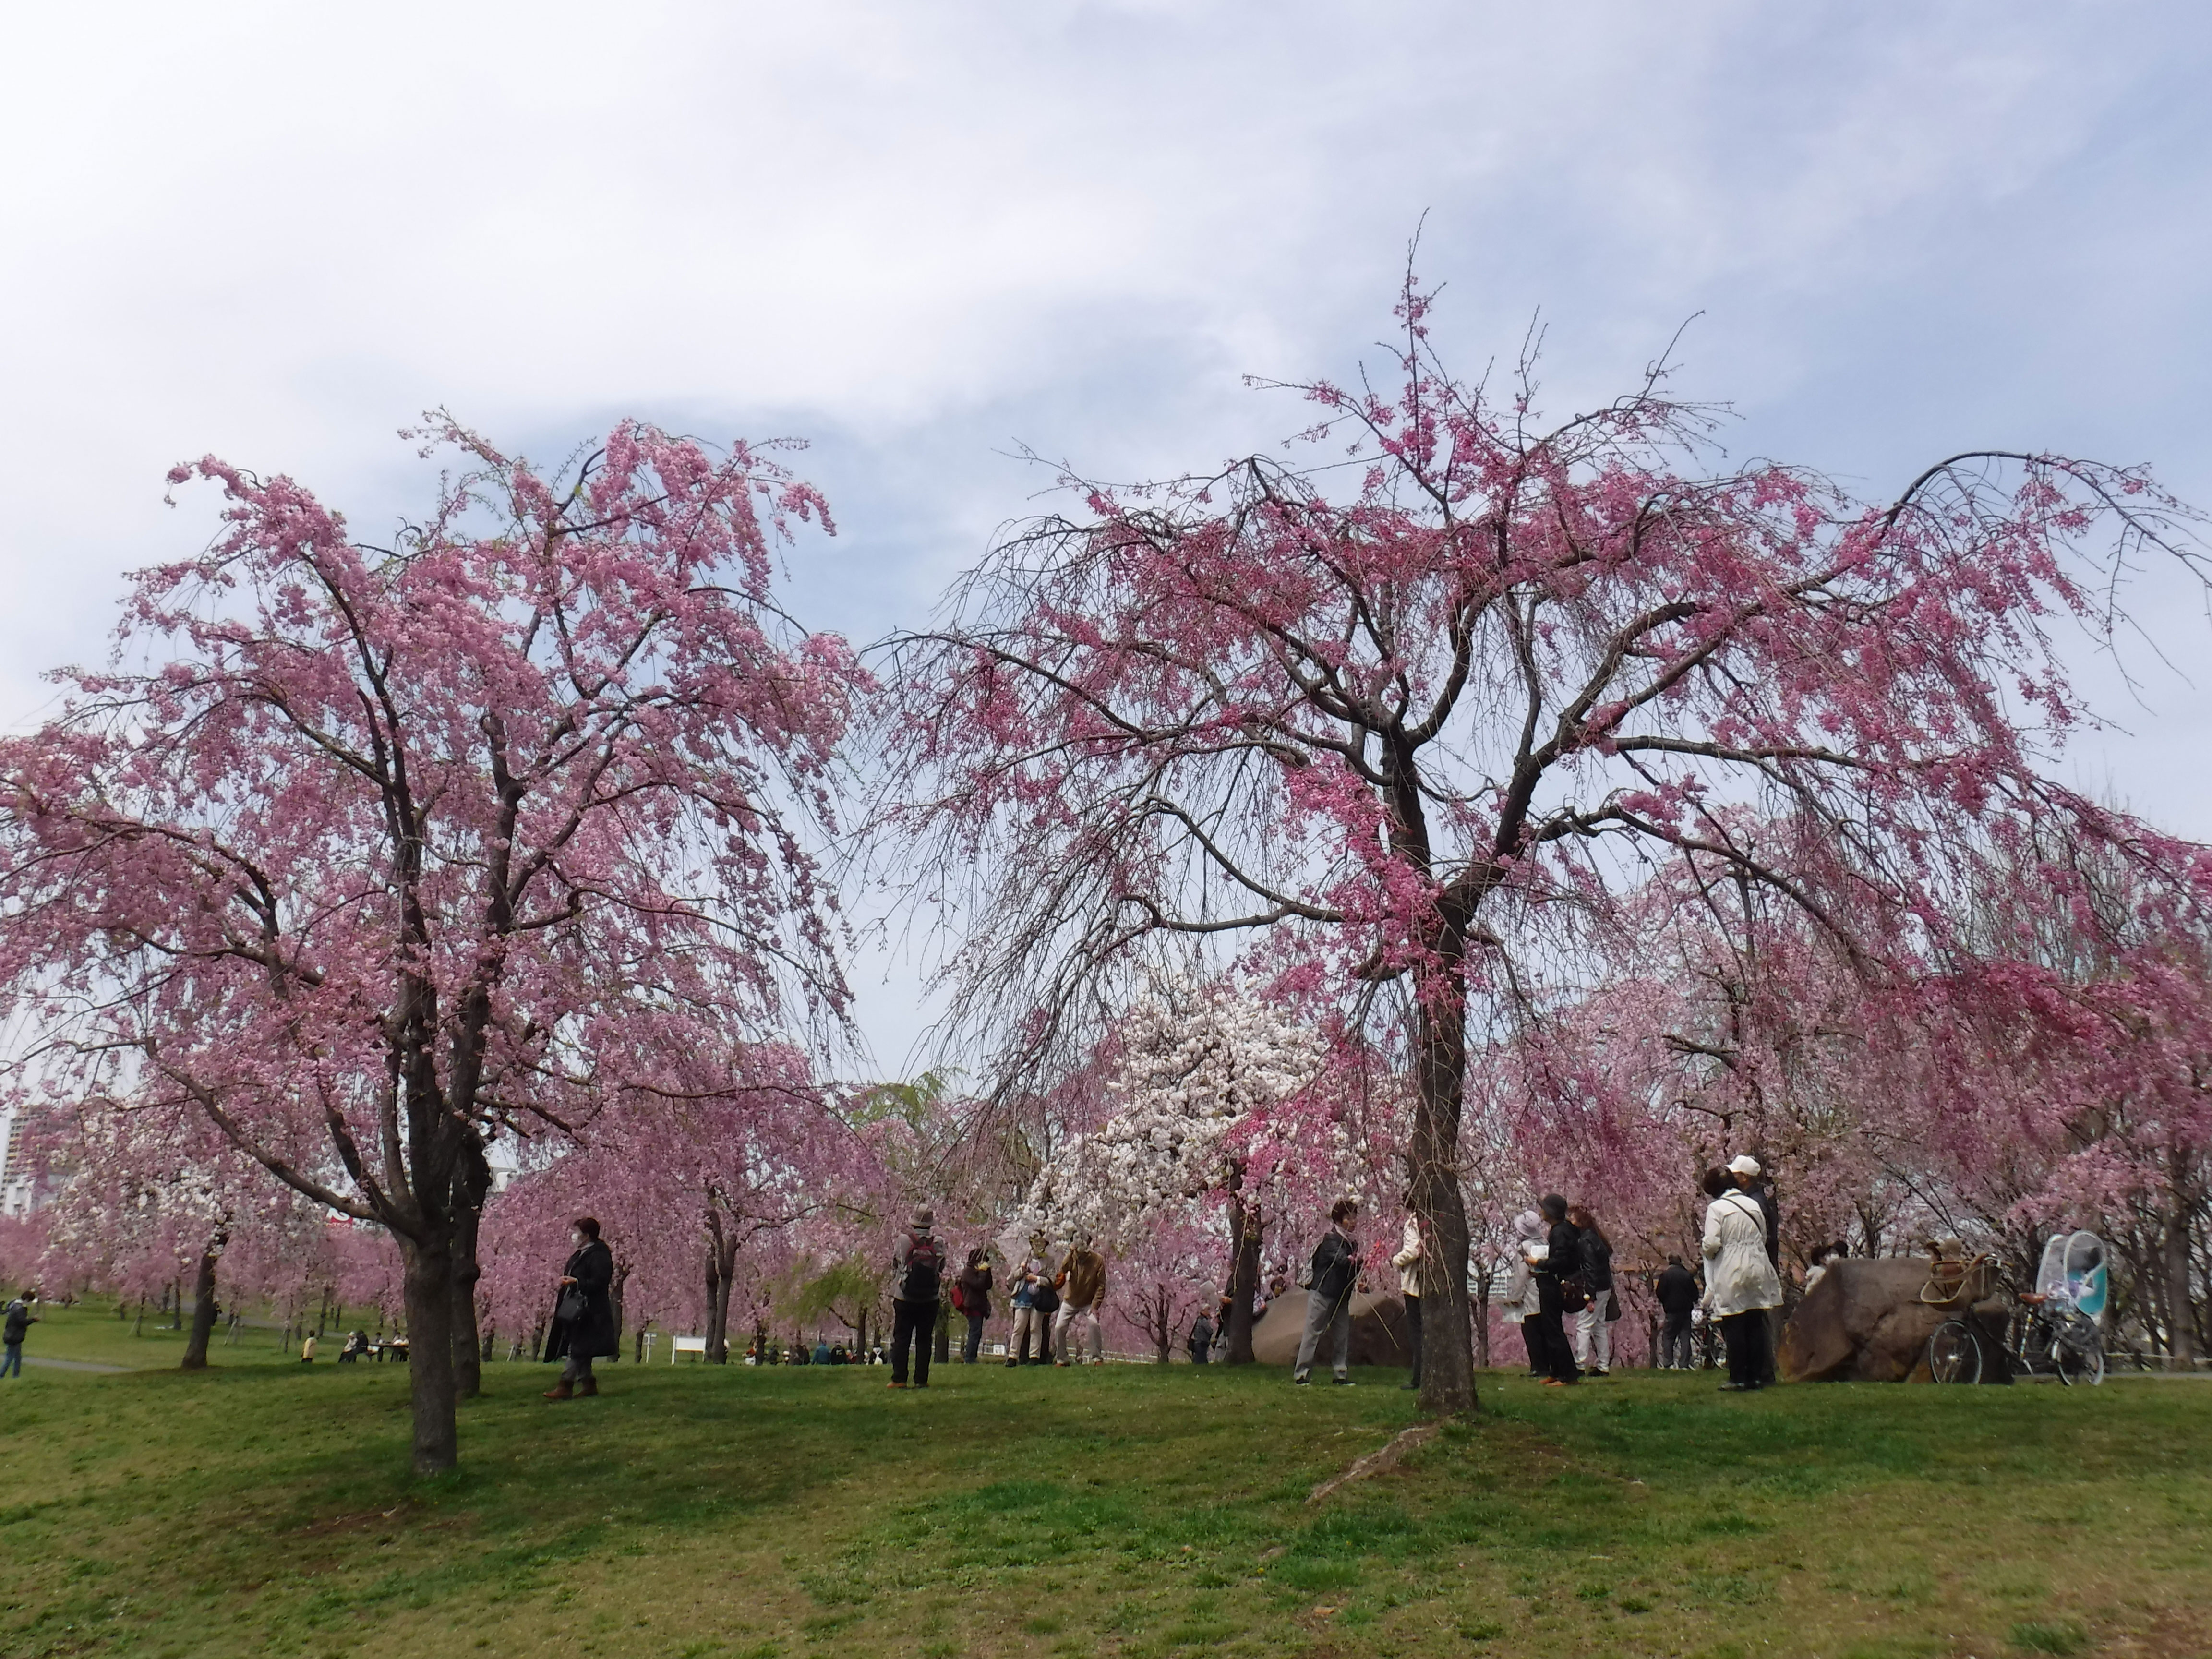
2065 1331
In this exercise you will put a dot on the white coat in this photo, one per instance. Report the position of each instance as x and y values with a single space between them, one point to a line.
1738 1276
1408 1261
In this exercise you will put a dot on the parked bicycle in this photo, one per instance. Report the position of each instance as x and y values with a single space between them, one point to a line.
2053 1330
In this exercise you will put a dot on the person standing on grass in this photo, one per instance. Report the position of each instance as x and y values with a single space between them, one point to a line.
583 1312
1408 1261
1744 1171
1200 1344
1741 1282
1677 1291
1028 1323
1081 1283
1594 1324
20 1318
1328 1294
971 1295
917 1280
1563 1260
1521 1304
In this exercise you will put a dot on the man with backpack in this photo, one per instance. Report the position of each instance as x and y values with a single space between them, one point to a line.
917 1280
19 1323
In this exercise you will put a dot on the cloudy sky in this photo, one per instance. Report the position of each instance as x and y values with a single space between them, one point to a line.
923 236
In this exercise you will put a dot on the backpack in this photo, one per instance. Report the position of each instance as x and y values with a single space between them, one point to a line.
924 1268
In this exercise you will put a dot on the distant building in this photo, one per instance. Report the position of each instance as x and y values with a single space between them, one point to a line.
18 1188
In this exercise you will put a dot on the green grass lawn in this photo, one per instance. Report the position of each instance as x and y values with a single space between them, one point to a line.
260 1508
90 1331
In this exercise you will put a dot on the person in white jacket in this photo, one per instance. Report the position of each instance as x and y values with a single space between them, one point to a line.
1521 1299
1408 1261
1741 1282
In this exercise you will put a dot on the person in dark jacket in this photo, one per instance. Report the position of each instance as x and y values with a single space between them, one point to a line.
1563 1258
1201 1345
1594 1324
586 1331
1677 1291
972 1290
917 1267
19 1323
1328 1298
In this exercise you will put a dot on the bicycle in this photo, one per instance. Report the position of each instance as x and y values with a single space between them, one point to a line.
2053 1330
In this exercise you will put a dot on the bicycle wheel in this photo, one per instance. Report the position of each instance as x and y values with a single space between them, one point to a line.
2079 1359
1954 1355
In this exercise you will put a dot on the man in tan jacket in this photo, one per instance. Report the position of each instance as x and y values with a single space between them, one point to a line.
1081 1283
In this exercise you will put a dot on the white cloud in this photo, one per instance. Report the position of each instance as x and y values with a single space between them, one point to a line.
923 231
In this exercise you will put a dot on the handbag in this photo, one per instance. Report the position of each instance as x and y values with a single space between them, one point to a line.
1574 1293
572 1304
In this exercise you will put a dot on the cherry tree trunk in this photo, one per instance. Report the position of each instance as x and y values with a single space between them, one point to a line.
1244 1277
615 1304
429 1287
196 1345
461 1297
1440 1064
471 1183
2181 1316
721 1267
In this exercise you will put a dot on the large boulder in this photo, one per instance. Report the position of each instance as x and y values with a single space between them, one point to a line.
1378 1331
1865 1322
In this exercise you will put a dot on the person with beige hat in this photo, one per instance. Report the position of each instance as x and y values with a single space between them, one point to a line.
917 1281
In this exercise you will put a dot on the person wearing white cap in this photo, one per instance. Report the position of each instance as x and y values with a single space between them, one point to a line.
1741 1282
1744 1169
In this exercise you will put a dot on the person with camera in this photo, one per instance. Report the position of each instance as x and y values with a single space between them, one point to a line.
971 1299
19 1323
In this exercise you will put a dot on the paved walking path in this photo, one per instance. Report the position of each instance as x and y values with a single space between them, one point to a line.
71 1364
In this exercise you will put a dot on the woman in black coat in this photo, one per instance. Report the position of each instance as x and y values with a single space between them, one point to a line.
587 1332
974 1288
1563 1260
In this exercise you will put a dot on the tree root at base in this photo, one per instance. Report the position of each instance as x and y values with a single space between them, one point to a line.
1376 1462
